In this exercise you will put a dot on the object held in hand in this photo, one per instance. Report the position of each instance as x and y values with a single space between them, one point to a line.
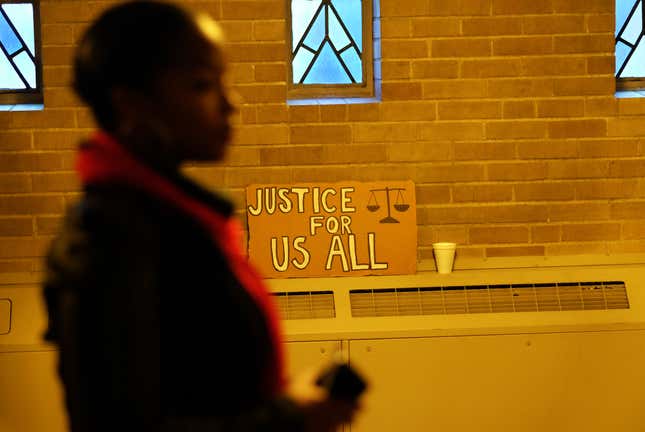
342 382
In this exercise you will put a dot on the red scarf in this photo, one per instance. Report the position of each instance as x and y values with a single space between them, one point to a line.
106 161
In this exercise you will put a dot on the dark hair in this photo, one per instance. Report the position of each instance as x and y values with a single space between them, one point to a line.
127 46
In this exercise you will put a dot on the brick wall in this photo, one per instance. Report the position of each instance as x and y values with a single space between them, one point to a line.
501 111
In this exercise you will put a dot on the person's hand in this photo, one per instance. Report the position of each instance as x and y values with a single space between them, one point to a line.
322 413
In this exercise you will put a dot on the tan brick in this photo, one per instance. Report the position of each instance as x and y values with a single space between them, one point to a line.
253 10
15 183
392 28
58 140
452 131
545 233
455 234
493 252
454 89
584 86
577 128
627 168
57 75
553 24
525 45
482 193
304 113
395 69
600 23
408 111
579 212
262 93
405 9
463 47
484 214
506 129
441 173
424 27
561 107
601 106
248 114
15 141
556 191
404 49
265 134
57 34
578 169
543 66
56 182
600 65
435 69
592 43
210 177
517 171
484 150
253 52
606 189
243 156
586 248
354 153
50 118
85 119
270 72
269 30
491 26
291 155
518 109
60 97
432 194
23 248
57 55
314 134
498 234
627 127
547 149
631 106
627 210
371 172
582 6
625 247
385 132
401 90
245 176
32 204
469 110
363 112
64 12
515 7
241 73
333 113
591 232
15 227
459 7
318 174
48 225
626 147
418 151
521 87
17 162
237 31
633 230
490 68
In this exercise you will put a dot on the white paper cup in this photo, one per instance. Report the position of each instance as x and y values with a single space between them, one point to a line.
444 256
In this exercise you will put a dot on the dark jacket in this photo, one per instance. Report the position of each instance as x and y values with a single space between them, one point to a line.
155 332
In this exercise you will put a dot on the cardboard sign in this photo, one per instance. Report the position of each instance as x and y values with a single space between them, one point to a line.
339 229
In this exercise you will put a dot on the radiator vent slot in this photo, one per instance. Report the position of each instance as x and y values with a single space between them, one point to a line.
442 300
305 304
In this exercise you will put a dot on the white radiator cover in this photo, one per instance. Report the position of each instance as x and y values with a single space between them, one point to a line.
529 371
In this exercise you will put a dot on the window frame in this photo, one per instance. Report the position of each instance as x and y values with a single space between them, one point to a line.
27 96
630 83
365 89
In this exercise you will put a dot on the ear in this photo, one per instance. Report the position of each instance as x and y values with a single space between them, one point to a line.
129 105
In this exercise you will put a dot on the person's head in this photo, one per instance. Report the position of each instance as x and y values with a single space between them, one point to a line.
152 72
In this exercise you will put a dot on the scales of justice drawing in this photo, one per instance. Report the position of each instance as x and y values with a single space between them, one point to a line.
399 203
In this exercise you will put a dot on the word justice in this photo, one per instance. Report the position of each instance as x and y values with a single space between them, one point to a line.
272 199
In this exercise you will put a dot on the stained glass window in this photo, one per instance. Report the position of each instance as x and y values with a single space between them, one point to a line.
19 52
331 46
